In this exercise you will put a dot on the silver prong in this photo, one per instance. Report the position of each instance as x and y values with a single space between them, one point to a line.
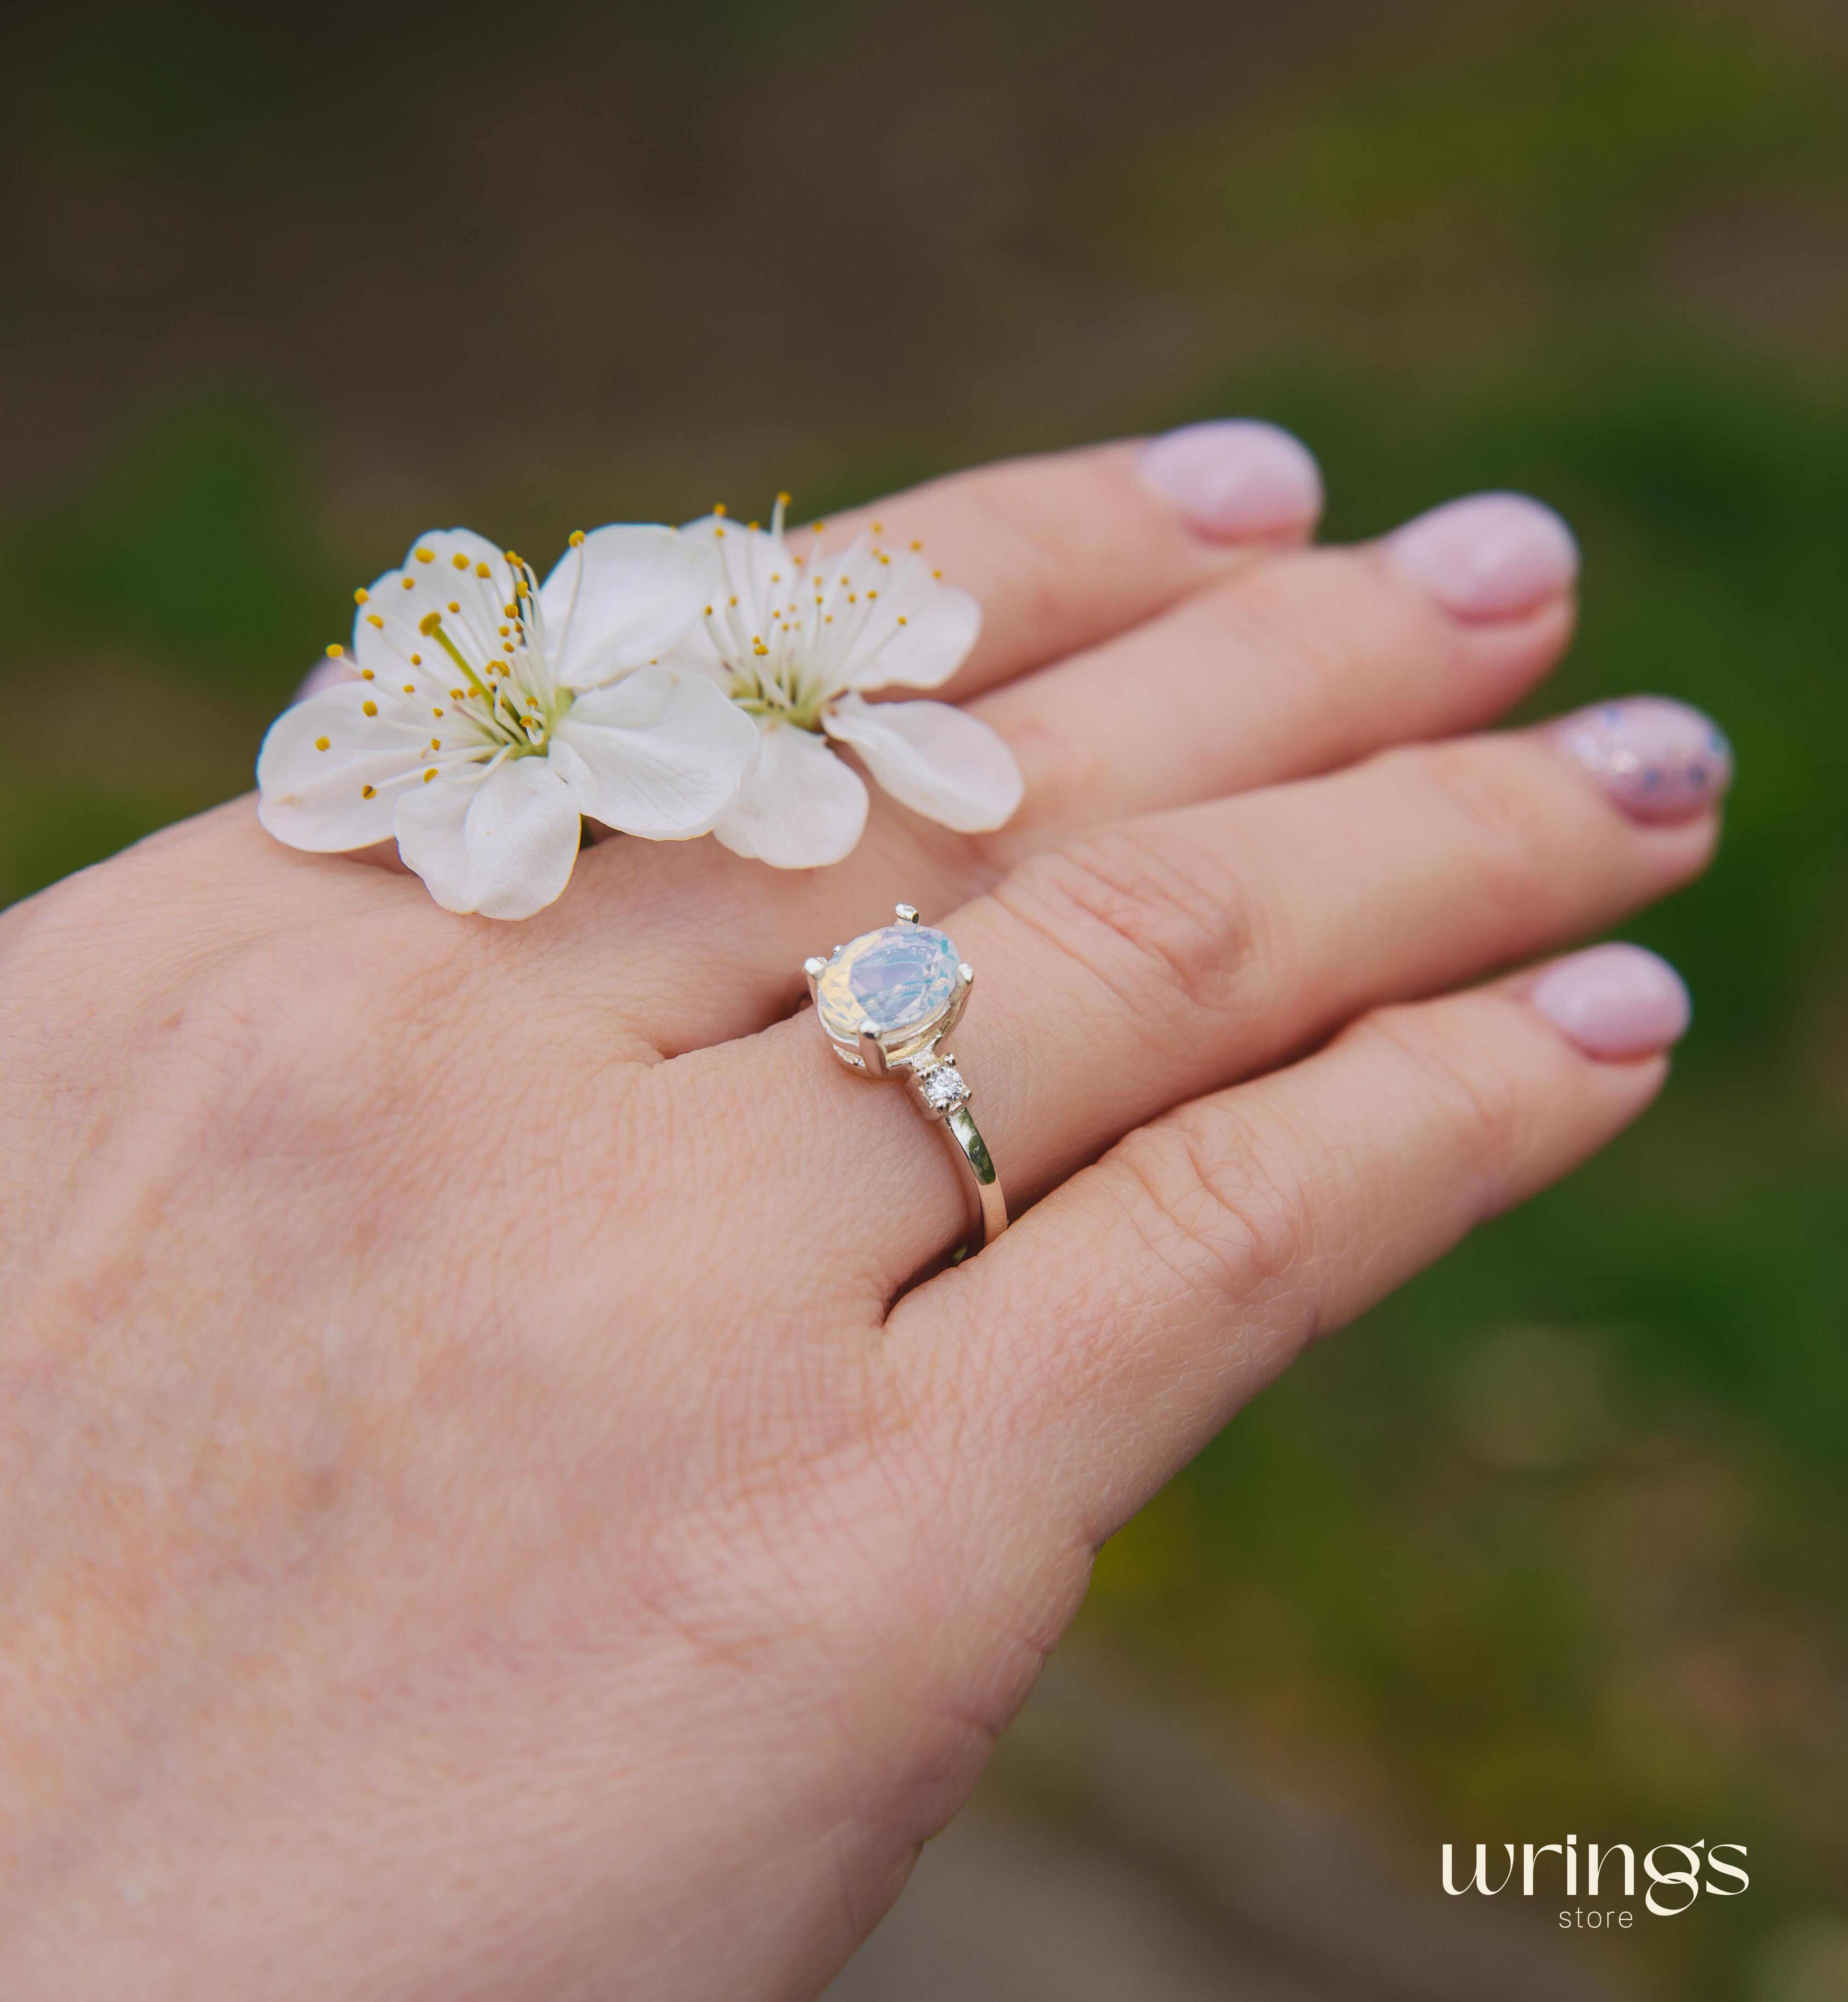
965 973
814 968
871 1052
908 913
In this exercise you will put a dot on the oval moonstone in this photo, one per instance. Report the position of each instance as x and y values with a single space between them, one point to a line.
895 978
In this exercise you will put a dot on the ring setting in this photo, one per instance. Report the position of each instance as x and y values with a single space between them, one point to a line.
886 1001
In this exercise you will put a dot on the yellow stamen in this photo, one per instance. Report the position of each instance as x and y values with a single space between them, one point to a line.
323 744
371 708
459 560
367 792
430 774
430 625
427 556
362 597
575 538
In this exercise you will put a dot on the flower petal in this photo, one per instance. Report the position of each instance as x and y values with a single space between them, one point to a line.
658 753
920 631
503 844
800 807
936 759
445 567
322 756
623 596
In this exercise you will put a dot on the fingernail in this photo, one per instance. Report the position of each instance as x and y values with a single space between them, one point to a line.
323 675
1236 479
1614 1001
1658 760
1488 556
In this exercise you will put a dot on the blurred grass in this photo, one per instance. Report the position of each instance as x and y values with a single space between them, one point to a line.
1599 253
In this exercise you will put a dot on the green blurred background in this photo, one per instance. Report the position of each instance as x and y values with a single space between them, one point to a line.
1558 1540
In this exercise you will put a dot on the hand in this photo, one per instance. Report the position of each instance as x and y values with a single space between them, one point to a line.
489 1513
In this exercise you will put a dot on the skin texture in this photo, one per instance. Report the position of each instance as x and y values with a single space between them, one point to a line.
490 1510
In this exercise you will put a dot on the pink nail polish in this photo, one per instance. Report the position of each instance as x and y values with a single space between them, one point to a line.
1236 479
323 675
1658 760
1488 556
1614 1001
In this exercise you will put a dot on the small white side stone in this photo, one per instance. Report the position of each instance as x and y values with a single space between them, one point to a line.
942 1087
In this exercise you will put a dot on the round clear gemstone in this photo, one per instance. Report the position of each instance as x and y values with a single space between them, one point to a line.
943 1087
894 979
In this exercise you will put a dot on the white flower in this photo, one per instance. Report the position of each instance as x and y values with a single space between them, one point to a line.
491 713
793 639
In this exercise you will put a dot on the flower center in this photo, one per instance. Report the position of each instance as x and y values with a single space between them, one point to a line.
786 635
510 696
783 691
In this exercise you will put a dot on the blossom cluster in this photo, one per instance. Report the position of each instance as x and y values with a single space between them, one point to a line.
666 683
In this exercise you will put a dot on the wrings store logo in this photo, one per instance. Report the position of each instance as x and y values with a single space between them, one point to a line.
1693 1867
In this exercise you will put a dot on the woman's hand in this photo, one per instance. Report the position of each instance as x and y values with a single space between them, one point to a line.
487 1512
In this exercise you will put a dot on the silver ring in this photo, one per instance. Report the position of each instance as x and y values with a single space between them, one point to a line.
885 1001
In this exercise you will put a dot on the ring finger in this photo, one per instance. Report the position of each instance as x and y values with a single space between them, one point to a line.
1139 967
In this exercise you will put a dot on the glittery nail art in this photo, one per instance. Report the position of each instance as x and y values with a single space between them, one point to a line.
1659 760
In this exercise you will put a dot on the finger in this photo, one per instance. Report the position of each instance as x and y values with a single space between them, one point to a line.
1307 661
1140 966
1098 1344
1064 550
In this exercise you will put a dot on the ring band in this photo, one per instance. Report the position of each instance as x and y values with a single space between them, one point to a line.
885 1001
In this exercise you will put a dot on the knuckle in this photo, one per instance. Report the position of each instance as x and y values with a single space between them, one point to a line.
1010 510
1478 1096
1328 616
1495 812
1223 1205
1065 769
1169 926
